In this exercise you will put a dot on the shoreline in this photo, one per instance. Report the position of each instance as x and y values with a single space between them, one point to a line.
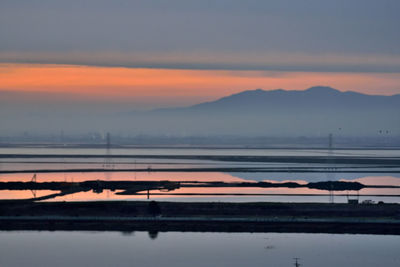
393 161
321 146
182 224
201 217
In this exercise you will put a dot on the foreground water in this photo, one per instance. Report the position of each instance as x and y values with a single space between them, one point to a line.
30 248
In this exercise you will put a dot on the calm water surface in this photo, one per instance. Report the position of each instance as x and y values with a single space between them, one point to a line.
205 151
19 249
365 174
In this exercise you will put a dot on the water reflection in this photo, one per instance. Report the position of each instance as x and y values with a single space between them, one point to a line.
195 249
153 234
355 173
184 193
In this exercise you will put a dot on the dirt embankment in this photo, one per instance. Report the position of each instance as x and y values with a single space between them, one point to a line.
225 217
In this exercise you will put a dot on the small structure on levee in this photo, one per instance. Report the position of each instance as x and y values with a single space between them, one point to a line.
354 199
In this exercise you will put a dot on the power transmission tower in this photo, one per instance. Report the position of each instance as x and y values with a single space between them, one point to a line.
108 162
108 140
108 159
330 142
331 167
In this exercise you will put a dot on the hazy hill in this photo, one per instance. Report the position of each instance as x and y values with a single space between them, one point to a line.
314 97
315 111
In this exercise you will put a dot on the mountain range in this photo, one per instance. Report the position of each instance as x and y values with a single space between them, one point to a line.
319 97
315 111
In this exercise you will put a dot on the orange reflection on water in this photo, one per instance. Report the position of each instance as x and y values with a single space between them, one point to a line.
381 180
176 176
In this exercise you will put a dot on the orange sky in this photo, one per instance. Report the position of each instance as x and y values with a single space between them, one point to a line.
178 86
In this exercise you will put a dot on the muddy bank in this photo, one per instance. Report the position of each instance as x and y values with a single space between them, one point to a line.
223 217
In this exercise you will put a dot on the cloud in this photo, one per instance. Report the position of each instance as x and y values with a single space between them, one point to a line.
220 61
309 35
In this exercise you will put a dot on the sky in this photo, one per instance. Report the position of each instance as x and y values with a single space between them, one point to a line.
64 60
165 53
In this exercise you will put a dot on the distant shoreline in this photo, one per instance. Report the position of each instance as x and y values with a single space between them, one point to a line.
183 147
348 159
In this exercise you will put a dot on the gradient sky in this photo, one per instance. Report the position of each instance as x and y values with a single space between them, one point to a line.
146 88
163 53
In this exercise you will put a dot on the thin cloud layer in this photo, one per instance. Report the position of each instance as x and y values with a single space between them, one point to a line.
220 61
160 87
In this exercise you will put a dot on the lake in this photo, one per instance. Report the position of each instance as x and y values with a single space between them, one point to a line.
30 248
89 248
65 164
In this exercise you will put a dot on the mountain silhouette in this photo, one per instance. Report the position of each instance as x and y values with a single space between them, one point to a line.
318 110
319 97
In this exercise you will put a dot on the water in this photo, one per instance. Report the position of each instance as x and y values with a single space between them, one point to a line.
204 151
177 249
80 248
366 174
